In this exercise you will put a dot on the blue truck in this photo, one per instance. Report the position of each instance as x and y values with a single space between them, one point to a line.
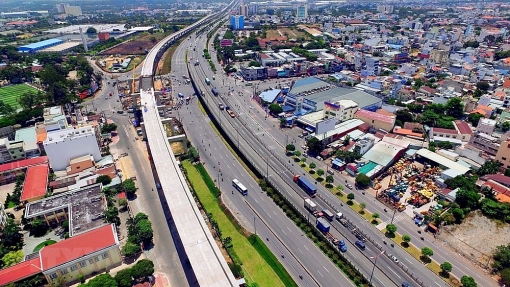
305 185
342 246
215 92
323 224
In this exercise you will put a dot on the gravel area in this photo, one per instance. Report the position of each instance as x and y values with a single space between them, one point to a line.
476 238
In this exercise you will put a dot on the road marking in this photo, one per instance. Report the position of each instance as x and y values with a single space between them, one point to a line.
325 268
395 273
300 251
408 260
284 233
320 273
256 200
306 247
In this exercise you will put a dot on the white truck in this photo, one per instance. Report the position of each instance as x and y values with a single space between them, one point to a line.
310 205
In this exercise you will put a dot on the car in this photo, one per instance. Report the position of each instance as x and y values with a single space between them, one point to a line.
392 257
319 158
342 246
305 154
300 136
158 185
120 112
330 171
349 186
304 147
405 284
360 244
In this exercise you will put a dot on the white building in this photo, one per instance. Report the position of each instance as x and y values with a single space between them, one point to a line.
63 145
343 111
54 118
302 11
486 126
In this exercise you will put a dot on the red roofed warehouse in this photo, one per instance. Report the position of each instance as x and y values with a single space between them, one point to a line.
20 271
93 251
36 182
376 120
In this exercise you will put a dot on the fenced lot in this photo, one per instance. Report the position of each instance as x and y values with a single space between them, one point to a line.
10 94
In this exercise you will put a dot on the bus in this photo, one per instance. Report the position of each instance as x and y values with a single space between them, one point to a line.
240 187
207 81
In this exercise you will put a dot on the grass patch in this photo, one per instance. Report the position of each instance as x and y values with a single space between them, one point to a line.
135 62
44 243
167 61
254 260
10 94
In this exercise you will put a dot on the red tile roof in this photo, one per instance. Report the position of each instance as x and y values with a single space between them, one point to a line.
23 163
109 171
463 127
504 180
20 271
36 182
444 131
78 246
374 116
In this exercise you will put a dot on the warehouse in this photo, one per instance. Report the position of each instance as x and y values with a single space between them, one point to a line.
34 47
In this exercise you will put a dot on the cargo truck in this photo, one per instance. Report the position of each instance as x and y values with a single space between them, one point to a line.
323 224
215 92
305 185
310 205
342 246
328 214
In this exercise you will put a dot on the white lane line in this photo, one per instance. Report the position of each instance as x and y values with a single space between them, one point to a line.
320 273
256 200
306 247
284 233
395 273
300 251
325 269
408 260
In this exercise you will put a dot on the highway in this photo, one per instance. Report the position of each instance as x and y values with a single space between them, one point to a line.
300 255
250 141
276 141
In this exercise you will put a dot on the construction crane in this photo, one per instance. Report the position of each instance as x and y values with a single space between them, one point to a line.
133 85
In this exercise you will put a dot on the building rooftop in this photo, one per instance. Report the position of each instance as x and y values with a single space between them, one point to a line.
36 182
445 131
62 47
375 116
307 84
337 94
270 96
41 44
20 271
441 160
52 111
85 207
78 246
81 158
382 153
463 127
20 164
29 138
68 134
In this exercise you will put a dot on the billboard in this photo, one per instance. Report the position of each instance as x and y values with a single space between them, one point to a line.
325 126
226 43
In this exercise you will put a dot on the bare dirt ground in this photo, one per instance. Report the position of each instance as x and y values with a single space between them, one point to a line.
476 238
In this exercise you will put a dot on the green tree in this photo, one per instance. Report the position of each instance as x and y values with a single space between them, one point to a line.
446 267
130 249
406 238
91 30
312 165
350 196
275 109
124 278
297 153
38 227
11 235
502 257
320 172
314 145
142 269
108 128
404 116
104 179
290 147
112 215
12 258
467 198
490 167
391 228
145 230
473 119
254 64
30 99
505 276
483 86
330 179
468 281
362 180
5 109
427 251
129 187
454 108
102 280
505 126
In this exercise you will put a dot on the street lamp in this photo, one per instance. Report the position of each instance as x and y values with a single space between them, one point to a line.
392 217
375 262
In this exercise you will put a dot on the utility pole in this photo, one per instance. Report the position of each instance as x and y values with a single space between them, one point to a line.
394 211
375 262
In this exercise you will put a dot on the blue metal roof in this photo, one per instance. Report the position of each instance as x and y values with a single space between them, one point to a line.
270 96
41 44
